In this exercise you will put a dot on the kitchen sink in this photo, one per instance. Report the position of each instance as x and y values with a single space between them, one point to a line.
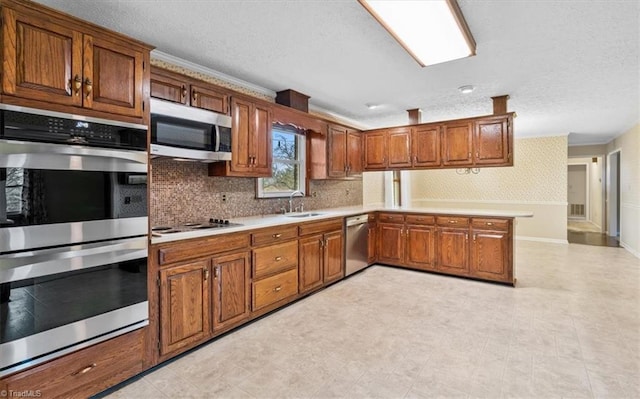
304 215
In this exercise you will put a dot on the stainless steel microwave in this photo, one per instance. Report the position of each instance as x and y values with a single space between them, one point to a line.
179 131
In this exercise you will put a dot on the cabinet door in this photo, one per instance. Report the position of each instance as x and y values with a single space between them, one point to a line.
425 146
241 131
489 255
420 250
375 150
399 147
169 89
453 251
41 60
354 153
490 142
390 243
371 243
209 99
333 256
310 266
261 141
337 151
456 143
184 305
113 77
231 287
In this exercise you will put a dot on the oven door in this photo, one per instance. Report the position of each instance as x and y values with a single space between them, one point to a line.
54 301
52 194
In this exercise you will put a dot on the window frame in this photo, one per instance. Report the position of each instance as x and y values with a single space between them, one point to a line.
301 162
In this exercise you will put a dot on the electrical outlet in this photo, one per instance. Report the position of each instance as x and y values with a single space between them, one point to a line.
348 191
223 197
314 194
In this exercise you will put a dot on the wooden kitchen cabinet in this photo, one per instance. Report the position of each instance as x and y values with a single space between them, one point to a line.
250 142
372 242
83 373
457 141
492 141
184 305
453 244
231 289
425 146
177 88
420 246
375 149
56 62
491 249
391 243
344 152
321 254
399 147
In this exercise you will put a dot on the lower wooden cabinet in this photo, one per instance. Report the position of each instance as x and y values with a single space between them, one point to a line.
421 247
82 373
231 285
274 289
321 256
372 253
184 305
453 250
391 243
491 255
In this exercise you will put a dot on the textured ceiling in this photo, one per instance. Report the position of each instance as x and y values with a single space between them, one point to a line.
570 67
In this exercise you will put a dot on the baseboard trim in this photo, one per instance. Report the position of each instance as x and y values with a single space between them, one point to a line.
542 239
628 248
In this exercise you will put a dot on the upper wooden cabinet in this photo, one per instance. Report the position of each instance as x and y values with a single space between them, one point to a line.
474 142
177 88
250 141
53 61
344 152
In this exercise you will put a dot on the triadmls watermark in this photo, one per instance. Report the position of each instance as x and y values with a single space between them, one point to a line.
27 393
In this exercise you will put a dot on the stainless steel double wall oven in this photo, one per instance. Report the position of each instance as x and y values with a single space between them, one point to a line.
73 233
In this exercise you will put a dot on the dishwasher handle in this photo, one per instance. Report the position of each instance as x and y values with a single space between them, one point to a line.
356 220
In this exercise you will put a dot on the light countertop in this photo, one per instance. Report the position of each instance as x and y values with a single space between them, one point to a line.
254 222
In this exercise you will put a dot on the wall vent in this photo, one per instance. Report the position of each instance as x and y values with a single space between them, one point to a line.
576 210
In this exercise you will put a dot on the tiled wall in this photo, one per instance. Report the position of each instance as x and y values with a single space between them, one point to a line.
182 192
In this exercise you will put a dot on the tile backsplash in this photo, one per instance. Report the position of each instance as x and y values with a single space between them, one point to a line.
182 192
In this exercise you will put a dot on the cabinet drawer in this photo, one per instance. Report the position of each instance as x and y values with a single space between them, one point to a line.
420 219
274 235
275 258
452 221
490 224
179 251
275 288
391 218
321 227
86 372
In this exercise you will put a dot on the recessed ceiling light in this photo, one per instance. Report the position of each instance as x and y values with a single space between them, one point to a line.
466 89
372 106
431 31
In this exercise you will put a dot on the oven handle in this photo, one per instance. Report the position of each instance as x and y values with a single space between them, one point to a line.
20 154
24 265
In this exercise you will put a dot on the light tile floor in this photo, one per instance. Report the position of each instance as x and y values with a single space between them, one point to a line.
570 329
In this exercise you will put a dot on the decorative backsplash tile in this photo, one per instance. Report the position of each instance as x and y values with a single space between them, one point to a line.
182 192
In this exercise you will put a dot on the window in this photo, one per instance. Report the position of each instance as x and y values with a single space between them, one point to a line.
288 165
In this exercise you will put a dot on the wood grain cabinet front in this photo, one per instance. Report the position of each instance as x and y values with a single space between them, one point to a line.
177 88
82 373
321 254
274 289
274 259
231 289
492 249
53 61
344 152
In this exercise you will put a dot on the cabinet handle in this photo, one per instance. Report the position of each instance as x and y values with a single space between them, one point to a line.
474 237
469 154
77 84
489 224
88 87
184 91
194 95
206 274
415 159
477 154
277 289
466 236
86 369
453 221
277 235
321 244
216 272
278 258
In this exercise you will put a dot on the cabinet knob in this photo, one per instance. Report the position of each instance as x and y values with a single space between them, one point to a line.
206 274
77 84
489 224
88 87
85 369
277 235
184 91
453 221
469 154
278 258
277 289
477 155
194 95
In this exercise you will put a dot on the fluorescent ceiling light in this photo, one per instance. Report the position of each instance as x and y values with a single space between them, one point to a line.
432 31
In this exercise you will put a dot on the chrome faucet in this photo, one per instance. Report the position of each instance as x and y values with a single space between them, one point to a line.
300 194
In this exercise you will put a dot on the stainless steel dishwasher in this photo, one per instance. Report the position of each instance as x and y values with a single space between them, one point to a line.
356 249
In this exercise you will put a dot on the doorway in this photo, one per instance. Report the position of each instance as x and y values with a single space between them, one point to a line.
613 194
